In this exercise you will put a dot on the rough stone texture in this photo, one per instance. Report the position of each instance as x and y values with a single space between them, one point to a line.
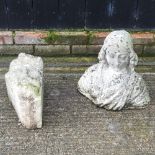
143 38
61 38
29 37
74 126
51 50
112 83
81 39
149 50
6 37
15 49
138 49
138 38
24 82
97 38
71 38
94 49
86 49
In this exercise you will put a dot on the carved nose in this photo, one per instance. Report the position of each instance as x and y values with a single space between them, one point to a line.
116 63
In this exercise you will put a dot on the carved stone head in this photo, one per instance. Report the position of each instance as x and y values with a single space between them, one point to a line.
112 83
117 51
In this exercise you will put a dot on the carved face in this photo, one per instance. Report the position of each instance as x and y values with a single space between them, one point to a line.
117 61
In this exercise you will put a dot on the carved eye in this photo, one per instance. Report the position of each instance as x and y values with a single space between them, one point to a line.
122 57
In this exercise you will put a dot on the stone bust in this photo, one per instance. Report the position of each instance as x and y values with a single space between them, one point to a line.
112 83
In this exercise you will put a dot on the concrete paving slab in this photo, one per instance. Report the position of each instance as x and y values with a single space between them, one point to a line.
72 125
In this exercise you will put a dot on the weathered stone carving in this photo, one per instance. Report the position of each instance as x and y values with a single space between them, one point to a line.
24 82
113 83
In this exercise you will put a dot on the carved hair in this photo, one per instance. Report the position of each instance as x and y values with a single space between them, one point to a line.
123 42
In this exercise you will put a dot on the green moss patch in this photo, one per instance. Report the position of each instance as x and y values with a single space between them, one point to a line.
52 37
34 88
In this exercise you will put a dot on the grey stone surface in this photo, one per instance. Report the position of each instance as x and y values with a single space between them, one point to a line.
51 50
74 126
149 50
112 83
138 49
86 49
15 49
24 82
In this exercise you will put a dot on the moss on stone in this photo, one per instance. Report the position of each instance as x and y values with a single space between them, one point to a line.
90 36
34 88
52 37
